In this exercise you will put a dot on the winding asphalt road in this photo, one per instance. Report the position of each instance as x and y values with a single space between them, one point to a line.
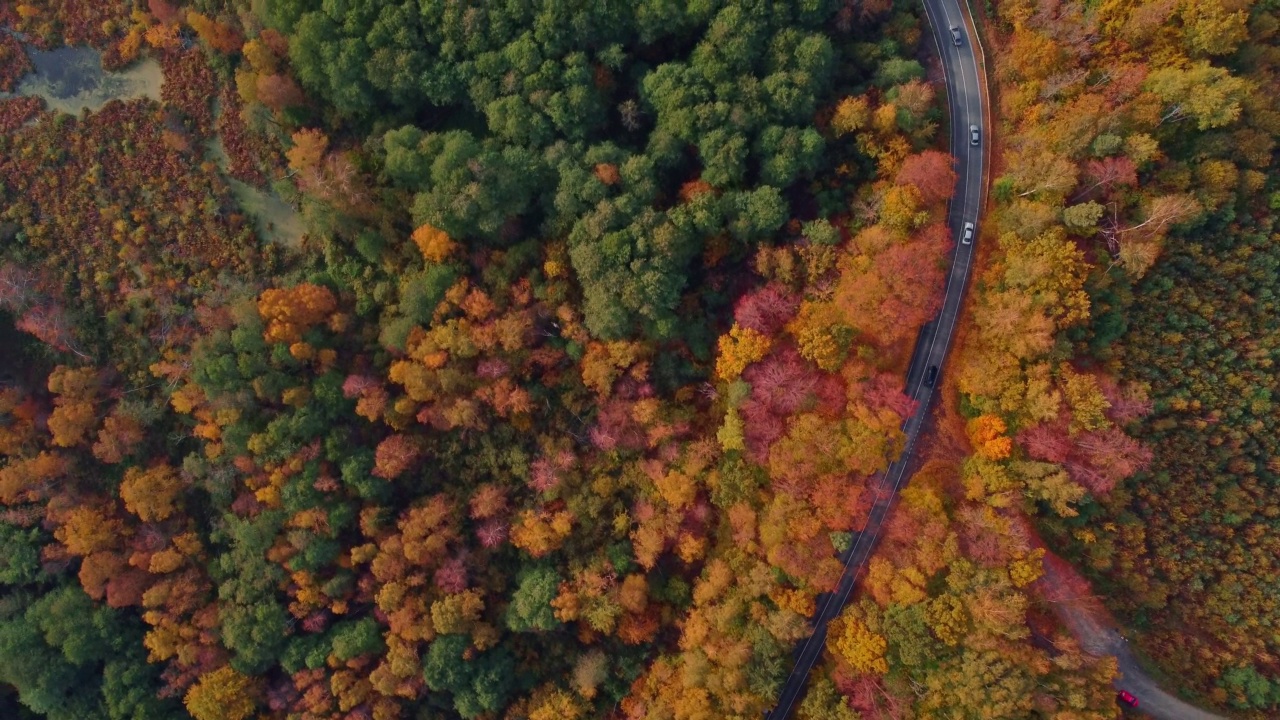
964 97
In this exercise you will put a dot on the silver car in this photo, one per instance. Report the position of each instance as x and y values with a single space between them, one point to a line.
966 237
955 35
974 135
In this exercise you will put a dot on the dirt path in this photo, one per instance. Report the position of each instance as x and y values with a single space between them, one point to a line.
1068 594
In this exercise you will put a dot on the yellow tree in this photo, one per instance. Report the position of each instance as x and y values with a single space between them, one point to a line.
87 529
986 432
819 335
1085 399
859 646
73 413
222 694
539 533
71 421
435 245
556 705
741 347
150 493
852 114
309 147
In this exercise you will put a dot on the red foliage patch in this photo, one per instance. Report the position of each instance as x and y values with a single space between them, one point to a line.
781 385
244 150
767 309
885 390
139 212
616 428
189 86
14 62
16 111
1097 460
932 173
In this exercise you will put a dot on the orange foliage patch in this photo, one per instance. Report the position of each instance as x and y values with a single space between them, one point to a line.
289 312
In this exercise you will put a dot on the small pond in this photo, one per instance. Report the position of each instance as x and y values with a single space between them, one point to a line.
71 78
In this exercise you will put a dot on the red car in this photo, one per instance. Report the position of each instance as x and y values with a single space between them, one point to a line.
1127 698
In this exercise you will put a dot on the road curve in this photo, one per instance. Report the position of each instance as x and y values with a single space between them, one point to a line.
1097 636
965 99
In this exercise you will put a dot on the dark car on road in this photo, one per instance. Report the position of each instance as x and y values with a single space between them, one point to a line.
930 375
1125 697
955 35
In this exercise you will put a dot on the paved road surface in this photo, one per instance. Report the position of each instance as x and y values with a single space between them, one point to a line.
964 97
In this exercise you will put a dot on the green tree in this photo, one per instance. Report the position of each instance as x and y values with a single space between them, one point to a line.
1248 689
1083 217
47 682
757 214
421 292
19 554
898 71
355 638
475 187
530 607
479 683
332 64
253 622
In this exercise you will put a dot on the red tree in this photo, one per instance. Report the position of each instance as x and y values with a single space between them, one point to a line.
1047 442
616 428
1106 457
766 309
18 287
488 501
278 92
492 533
164 12
1109 172
933 174
1128 403
50 326
394 456
885 390
359 385
451 576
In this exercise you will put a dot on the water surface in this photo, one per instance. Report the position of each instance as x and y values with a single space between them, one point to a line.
72 78
276 220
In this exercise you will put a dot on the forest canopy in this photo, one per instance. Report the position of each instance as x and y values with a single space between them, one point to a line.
433 359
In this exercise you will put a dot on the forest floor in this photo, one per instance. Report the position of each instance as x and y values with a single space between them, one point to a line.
1066 591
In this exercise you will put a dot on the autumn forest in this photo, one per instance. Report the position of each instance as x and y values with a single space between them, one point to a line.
432 359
